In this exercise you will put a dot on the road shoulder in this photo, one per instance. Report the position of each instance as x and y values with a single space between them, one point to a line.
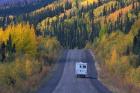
52 80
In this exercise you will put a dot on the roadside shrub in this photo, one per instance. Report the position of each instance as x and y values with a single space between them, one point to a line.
134 76
52 44
13 73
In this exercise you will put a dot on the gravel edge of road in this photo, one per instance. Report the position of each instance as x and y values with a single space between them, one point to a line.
53 74
110 87
97 82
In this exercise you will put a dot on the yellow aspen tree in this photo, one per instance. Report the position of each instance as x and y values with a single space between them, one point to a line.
23 36
112 61
1 35
113 56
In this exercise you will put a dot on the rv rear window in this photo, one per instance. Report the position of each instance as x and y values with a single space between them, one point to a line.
84 66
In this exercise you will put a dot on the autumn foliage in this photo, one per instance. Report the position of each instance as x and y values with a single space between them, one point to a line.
32 60
115 52
23 36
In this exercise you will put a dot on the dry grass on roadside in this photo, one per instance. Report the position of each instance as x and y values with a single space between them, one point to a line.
22 77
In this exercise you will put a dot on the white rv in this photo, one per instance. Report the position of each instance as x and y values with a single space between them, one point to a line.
81 69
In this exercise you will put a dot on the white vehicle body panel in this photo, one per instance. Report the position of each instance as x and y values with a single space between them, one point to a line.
81 68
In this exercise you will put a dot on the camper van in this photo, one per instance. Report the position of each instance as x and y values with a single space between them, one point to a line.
81 69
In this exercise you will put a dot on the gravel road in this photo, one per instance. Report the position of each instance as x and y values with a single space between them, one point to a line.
64 79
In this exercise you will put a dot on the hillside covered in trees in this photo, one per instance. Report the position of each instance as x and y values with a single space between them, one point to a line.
35 32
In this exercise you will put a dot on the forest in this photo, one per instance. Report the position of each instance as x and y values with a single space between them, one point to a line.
33 35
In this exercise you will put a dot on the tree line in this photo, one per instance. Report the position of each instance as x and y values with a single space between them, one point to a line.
7 50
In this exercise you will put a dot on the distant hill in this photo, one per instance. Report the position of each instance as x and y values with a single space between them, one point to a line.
17 7
8 3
